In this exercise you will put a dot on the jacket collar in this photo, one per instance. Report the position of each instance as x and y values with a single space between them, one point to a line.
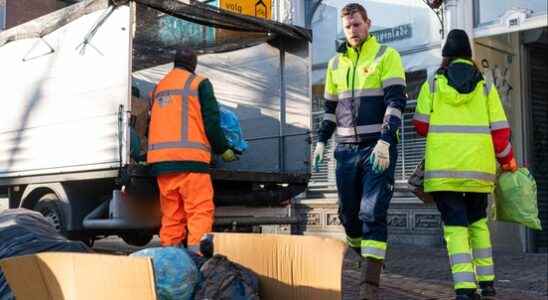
369 44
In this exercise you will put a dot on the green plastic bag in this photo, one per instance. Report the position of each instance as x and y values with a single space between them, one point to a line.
516 199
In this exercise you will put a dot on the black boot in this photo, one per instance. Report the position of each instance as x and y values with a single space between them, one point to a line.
467 294
371 278
487 289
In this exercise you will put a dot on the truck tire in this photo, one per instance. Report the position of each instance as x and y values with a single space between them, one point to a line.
137 238
48 206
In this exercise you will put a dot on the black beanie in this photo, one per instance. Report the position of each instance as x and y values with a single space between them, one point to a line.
186 58
457 45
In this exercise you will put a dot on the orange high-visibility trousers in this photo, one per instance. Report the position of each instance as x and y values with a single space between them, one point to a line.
186 201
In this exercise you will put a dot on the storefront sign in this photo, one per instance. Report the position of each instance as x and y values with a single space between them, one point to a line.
398 33
256 8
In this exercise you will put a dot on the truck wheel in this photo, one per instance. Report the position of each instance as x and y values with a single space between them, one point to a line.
136 239
48 206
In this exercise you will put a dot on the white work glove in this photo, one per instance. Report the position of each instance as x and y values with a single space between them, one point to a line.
380 157
318 155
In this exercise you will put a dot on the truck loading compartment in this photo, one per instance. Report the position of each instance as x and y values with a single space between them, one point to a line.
65 143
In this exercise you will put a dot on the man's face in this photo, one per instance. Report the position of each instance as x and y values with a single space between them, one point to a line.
356 29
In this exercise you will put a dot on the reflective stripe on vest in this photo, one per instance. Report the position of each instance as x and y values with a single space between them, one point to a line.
459 129
157 150
421 117
460 175
363 129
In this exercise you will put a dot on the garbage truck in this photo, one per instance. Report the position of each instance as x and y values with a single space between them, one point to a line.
76 85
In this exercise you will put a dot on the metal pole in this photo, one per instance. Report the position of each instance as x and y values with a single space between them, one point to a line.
281 140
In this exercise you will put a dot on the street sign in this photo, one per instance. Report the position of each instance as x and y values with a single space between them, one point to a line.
256 8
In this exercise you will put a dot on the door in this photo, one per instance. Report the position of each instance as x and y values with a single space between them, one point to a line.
538 144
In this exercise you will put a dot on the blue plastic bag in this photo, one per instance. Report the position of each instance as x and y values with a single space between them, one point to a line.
175 274
233 132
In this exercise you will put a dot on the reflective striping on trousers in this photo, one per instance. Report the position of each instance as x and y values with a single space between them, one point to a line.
330 117
393 81
459 174
392 111
499 125
371 251
483 253
363 129
485 270
459 277
506 151
361 93
460 258
421 117
459 129
354 242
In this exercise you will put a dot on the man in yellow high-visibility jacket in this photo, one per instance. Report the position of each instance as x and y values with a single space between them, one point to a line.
364 100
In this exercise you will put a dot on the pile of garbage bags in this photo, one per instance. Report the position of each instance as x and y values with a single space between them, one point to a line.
24 232
184 275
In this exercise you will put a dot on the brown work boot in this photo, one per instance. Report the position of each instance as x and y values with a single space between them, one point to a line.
371 278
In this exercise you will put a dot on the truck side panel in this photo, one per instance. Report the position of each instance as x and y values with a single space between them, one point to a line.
247 81
61 101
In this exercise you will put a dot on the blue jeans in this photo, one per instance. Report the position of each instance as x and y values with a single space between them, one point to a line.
364 196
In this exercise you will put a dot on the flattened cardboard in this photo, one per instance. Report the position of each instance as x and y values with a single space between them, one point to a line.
77 276
289 267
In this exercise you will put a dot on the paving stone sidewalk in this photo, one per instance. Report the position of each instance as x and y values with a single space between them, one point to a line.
423 273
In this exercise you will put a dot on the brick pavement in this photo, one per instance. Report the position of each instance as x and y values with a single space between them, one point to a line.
423 273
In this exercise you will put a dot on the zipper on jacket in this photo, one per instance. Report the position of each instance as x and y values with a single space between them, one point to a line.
354 114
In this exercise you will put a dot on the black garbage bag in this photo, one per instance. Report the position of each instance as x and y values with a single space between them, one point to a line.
226 280
24 232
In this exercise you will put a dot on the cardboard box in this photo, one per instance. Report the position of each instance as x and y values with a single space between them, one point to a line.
289 268
78 276
295 267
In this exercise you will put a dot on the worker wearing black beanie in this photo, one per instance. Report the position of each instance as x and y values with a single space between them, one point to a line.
457 45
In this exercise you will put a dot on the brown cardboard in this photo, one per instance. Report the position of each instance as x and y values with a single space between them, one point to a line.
289 267
77 276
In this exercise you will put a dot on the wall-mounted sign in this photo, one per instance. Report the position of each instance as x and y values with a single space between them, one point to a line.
397 33
256 8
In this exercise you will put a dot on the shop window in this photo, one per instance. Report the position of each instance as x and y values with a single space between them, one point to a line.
488 12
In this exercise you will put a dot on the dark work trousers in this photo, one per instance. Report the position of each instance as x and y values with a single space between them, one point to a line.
364 196
461 209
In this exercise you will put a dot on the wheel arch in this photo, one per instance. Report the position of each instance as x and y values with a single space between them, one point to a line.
34 192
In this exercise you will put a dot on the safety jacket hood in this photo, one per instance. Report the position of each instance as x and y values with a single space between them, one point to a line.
461 79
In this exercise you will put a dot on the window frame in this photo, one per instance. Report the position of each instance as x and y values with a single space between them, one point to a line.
494 27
